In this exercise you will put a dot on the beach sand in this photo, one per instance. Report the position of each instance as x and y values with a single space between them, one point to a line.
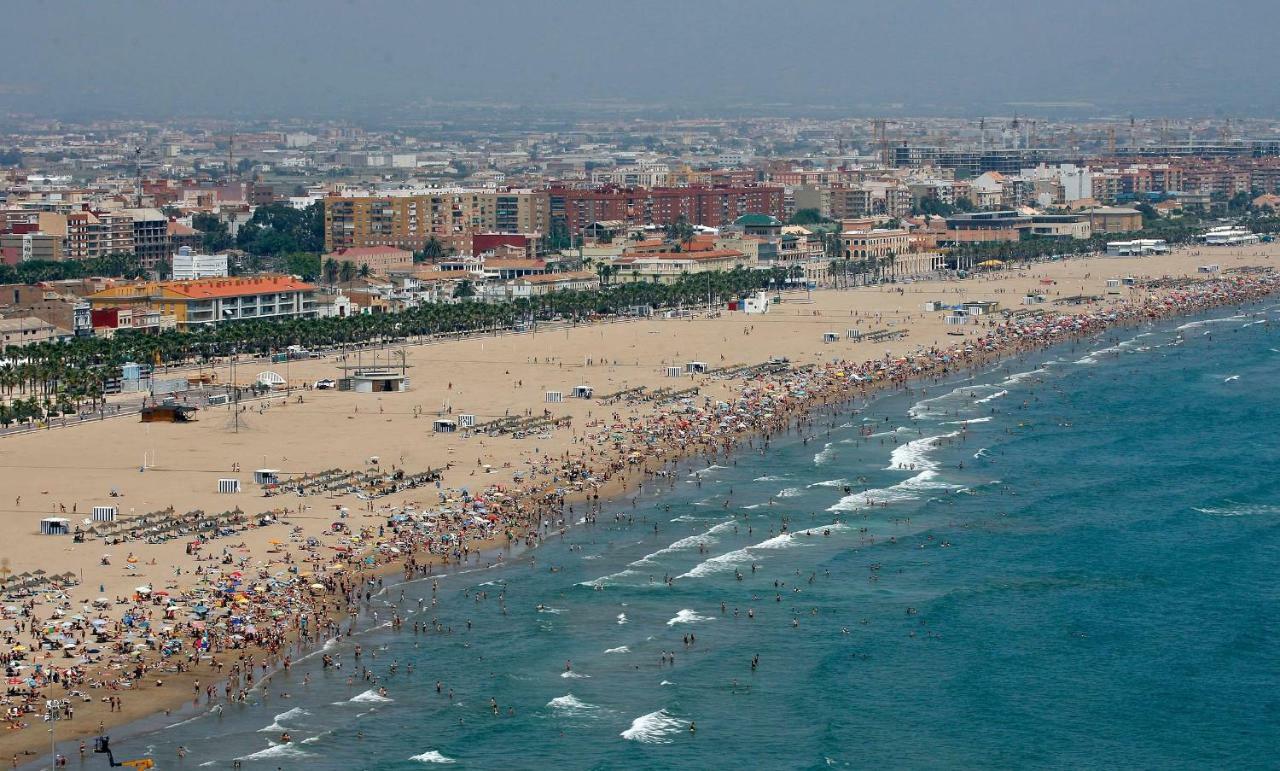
78 466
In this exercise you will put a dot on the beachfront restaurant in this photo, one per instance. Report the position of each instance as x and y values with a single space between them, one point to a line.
370 381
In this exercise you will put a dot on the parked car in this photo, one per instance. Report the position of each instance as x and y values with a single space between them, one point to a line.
322 385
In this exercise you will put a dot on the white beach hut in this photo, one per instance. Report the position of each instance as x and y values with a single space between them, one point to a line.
554 397
105 513
55 526
228 485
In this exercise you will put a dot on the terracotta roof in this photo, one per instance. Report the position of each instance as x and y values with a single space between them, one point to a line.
234 287
178 229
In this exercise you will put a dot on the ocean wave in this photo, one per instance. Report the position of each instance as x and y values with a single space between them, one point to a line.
987 419
274 728
622 619
551 610
992 397
688 542
699 472
831 483
790 492
729 560
285 750
687 616
916 452
1018 377
291 714
654 728
571 675
432 756
368 696
571 706
619 649
1239 510
823 455
769 478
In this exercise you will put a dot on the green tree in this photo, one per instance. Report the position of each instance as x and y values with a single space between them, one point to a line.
807 217
464 290
215 237
346 272
331 270
304 264
432 250
364 271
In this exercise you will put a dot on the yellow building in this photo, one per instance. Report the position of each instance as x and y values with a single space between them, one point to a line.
209 301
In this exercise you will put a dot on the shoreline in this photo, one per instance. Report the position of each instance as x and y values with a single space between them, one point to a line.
617 486
509 554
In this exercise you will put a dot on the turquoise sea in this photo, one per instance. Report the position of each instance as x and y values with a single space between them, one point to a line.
1084 575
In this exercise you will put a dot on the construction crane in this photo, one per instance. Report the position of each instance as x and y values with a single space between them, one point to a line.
102 745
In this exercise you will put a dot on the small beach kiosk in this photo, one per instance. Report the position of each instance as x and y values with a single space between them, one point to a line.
554 397
444 426
696 367
55 526
583 391
830 337
375 379
266 476
675 372
228 486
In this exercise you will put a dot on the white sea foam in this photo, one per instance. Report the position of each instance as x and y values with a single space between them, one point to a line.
571 706
622 619
654 728
274 728
370 695
790 492
769 478
730 560
296 712
1018 377
619 649
719 563
688 542
551 610
987 419
687 616
432 756
666 682
571 675
831 483
992 397
824 455
686 518
916 452
286 750
1239 510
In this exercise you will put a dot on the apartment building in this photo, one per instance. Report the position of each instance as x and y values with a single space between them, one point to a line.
710 205
511 211
380 259
403 219
150 236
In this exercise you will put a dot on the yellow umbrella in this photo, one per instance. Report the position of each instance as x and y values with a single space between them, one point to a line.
990 264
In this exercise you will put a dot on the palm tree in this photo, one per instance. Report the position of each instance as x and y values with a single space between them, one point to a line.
465 289
347 272
331 270
364 270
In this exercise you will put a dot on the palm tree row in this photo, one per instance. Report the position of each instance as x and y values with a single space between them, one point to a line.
74 371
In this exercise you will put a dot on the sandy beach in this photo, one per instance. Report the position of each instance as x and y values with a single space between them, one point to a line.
65 472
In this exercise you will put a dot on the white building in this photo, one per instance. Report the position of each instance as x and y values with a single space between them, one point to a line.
188 266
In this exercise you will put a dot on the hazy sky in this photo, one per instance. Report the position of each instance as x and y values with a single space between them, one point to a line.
345 57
